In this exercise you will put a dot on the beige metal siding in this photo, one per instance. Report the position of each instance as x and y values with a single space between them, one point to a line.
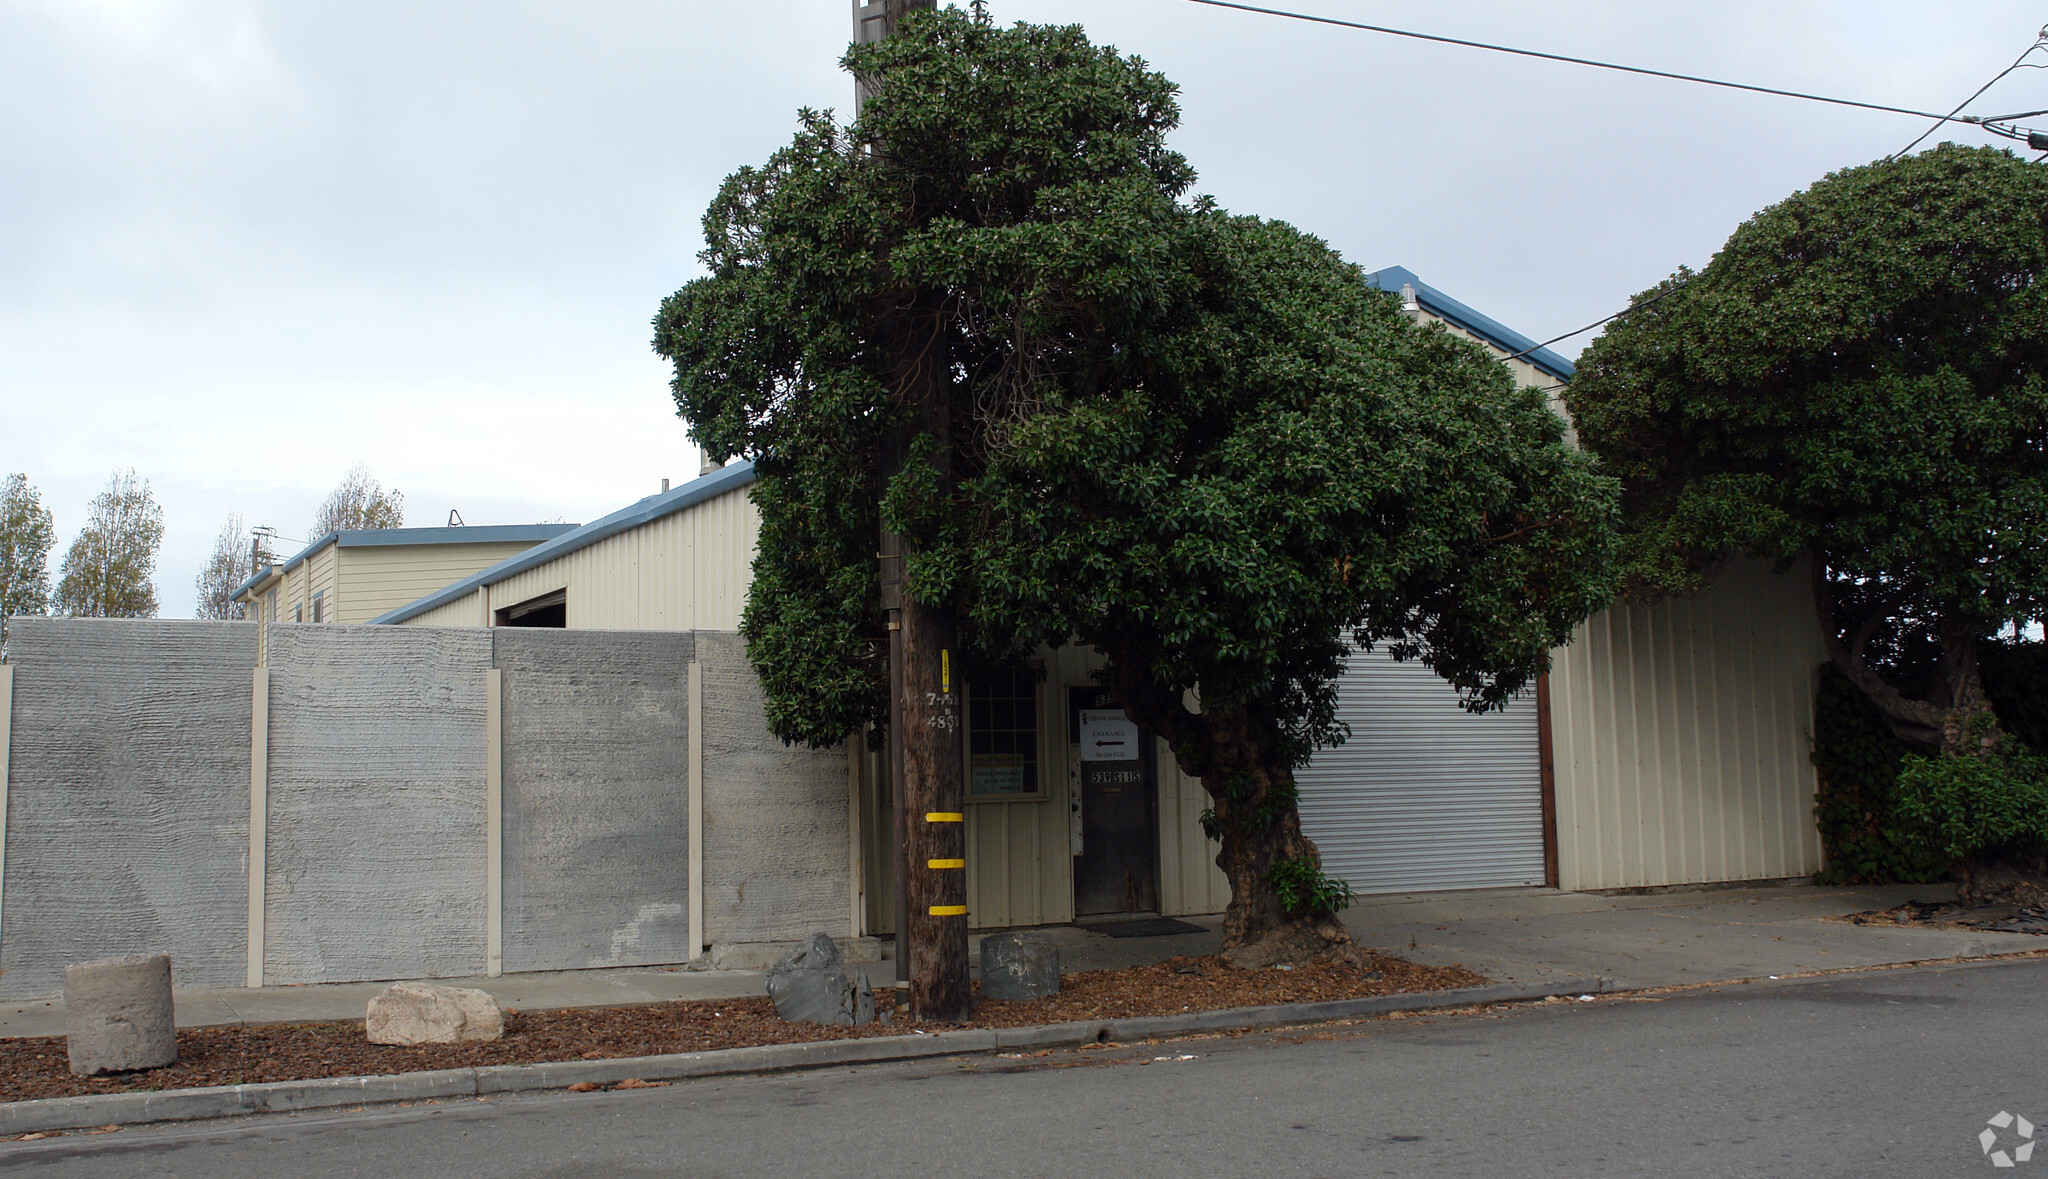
380 578
467 610
322 577
1189 880
1681 732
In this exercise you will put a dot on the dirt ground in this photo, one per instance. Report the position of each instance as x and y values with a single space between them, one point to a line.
1955 915
36 1067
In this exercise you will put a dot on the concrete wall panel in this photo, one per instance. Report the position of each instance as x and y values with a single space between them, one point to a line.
376 850
596 797
775 818
128 798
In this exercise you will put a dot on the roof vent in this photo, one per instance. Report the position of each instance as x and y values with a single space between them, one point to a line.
1410 305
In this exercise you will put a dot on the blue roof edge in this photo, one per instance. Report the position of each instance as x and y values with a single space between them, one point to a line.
372 537
654 507
1508 340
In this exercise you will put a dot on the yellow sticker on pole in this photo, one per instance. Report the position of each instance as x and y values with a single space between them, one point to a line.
949 910
945 670
944 817
945 863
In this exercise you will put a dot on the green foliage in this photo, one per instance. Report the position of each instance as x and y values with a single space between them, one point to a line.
108 570
359 501
1304 890
1863 838
1860 374
1965 807
1199 442
26 536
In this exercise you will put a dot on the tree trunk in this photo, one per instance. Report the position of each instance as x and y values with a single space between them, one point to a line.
1235 750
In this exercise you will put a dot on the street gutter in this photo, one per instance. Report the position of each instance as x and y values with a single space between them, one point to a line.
176 1105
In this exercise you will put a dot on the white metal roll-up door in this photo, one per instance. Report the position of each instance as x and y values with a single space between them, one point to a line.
1425 795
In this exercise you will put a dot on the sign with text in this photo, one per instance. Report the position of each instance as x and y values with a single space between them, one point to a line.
1108 735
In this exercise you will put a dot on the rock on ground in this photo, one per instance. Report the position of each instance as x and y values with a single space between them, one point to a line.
1019 966
812 984
410 1013
118 1016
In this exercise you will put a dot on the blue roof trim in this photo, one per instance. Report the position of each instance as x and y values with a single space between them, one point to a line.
1393 278
654 507
373 537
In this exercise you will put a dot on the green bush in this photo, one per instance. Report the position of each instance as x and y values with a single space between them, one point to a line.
1305 890
1965 807
1858 759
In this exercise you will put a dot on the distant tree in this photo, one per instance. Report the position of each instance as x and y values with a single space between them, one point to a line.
235 557
360 502
26 537
1860 378
108 571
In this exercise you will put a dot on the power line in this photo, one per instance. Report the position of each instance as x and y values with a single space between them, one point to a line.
2040 41
1604 65
1659 297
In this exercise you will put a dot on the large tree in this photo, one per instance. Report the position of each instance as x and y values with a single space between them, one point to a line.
26 537
1856 378
1199 443
359 501
109 570
234 559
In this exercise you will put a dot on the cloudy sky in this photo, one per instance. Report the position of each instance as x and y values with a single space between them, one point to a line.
244 245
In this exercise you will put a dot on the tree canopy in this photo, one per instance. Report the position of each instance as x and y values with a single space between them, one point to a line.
27 535
1201 443
234 559
1855 378
109 570
359 501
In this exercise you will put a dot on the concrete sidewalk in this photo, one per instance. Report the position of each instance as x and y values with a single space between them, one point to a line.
1530 936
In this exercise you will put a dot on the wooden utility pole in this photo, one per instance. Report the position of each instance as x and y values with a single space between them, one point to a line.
927 758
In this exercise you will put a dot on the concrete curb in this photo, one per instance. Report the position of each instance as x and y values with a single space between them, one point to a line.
175 1105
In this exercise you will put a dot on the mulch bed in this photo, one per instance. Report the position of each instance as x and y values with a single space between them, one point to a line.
36 1067
1955 915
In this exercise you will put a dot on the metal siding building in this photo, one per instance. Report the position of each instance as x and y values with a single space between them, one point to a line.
1676 733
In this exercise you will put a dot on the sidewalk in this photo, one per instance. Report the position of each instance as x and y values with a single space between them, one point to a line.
1530 936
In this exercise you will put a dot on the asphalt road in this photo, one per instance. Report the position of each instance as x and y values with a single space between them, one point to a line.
1881 1073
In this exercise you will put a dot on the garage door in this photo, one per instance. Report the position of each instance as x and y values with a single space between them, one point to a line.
1425 795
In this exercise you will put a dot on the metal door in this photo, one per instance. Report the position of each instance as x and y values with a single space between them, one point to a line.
1424 795
1116 865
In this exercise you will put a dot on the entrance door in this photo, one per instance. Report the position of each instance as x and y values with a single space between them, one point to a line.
1116 865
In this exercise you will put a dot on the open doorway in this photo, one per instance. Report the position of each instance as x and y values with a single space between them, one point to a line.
545 610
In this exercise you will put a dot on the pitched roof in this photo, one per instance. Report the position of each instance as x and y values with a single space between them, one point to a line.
372 537
1512 342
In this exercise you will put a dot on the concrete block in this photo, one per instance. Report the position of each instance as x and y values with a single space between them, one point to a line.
376 833
775 816
1019 966
128 798
412 1013
596 797
118 1015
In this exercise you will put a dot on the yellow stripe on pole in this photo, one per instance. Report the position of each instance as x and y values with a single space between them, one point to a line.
945 863
944 817
949 910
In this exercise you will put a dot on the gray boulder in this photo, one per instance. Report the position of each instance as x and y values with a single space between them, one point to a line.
117 1015
1019 966
413 1013
811 984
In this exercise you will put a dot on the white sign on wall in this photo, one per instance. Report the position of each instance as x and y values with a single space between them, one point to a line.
1108 735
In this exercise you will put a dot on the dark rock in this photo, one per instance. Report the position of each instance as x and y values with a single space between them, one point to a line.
1019 966
811 984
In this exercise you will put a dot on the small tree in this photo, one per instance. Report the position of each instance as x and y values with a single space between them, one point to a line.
234 558
1858 378
360 502
26 537
109 569
1199 443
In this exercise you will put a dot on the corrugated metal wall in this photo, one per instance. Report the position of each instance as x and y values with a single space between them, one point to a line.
1425 795
373 579
1681 733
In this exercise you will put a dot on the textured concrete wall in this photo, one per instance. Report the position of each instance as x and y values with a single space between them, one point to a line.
376 848
128 798
596 797
775 817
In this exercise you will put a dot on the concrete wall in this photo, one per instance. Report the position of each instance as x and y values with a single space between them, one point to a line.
376 834
596 797
777 864
127 798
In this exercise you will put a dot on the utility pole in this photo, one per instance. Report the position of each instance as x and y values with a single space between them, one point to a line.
927 758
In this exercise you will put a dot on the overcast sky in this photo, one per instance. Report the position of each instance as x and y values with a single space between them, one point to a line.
244 245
